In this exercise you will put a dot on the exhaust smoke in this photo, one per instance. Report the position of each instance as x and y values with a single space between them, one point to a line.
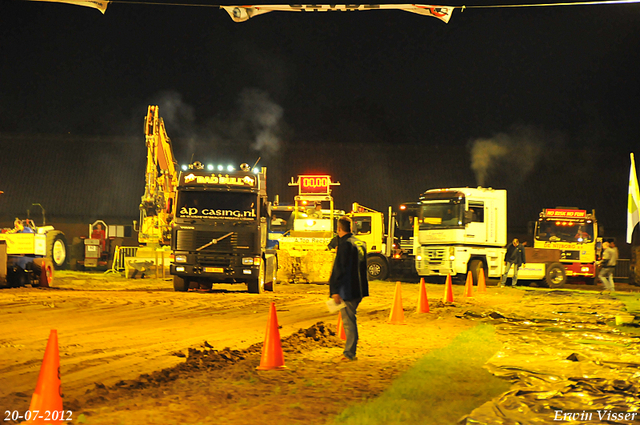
511 155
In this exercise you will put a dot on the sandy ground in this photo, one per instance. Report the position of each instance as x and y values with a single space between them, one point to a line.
134 351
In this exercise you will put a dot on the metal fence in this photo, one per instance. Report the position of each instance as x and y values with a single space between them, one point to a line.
119 256
622 269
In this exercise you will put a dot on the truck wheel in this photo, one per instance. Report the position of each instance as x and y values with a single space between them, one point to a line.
256 286
57 249
180 284
377 268
474 267
269 285
555 276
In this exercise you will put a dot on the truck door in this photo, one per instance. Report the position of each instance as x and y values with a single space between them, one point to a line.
476 229
362 229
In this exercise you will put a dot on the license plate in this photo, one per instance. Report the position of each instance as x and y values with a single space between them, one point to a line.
214 270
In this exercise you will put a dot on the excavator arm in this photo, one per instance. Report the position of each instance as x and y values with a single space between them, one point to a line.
161 180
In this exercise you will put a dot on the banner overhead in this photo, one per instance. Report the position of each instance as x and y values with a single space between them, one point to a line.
244 13
95 4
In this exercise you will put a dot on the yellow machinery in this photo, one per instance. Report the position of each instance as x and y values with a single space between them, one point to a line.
156 207
157 203
304 256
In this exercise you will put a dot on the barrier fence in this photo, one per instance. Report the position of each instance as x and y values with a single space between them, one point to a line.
119 256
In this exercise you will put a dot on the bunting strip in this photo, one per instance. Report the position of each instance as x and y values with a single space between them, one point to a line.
244 13
95 4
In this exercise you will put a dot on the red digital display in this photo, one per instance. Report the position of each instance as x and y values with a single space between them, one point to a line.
565 213
314 185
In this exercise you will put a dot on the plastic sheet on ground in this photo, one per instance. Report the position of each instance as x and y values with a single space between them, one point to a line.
566 364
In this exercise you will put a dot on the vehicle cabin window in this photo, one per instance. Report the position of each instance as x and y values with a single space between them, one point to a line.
362 225
477 209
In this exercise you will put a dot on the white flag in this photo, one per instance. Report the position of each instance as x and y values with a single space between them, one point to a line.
244 13
633 215
96 4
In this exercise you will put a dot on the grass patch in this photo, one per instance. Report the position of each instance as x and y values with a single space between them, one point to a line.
440 388
631 301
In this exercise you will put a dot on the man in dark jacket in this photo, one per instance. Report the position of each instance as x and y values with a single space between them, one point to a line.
348 283
514 256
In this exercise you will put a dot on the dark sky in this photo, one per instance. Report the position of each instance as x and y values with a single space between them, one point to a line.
507 86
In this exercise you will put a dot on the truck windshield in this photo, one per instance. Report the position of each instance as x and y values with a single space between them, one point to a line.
406 215
217 205
564 231
441 215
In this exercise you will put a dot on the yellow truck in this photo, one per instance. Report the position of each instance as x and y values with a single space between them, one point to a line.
390 247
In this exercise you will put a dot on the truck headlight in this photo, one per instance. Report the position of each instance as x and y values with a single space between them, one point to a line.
181 258
180 269
419 257
251 261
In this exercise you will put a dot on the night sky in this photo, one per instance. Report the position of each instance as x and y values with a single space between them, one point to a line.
534 100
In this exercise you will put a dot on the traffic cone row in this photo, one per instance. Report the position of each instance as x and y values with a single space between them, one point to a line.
272 356
397 312
341 333
468 287
423 302
482 285
48 394
448 291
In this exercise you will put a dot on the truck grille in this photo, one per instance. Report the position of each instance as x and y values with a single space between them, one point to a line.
435 256
190 240
224 261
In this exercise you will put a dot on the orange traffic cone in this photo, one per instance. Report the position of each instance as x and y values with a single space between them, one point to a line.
448 291
423 302
468 287
397 313
482 285
341 333
272 357
48 394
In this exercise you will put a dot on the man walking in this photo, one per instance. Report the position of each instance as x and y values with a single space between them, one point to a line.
608 263
514 256
348 283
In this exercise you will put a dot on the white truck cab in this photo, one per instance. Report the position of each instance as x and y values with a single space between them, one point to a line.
460 230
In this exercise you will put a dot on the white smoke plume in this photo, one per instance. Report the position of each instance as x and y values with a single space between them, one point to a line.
263 118
178 116
512 155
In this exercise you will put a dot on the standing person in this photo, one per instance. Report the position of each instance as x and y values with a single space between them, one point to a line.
348 282
514 256
608 263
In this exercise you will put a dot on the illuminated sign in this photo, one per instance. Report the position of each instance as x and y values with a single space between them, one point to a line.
562 245
314 185
552 213
220 179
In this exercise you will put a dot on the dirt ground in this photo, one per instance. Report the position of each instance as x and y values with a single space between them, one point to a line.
135 351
